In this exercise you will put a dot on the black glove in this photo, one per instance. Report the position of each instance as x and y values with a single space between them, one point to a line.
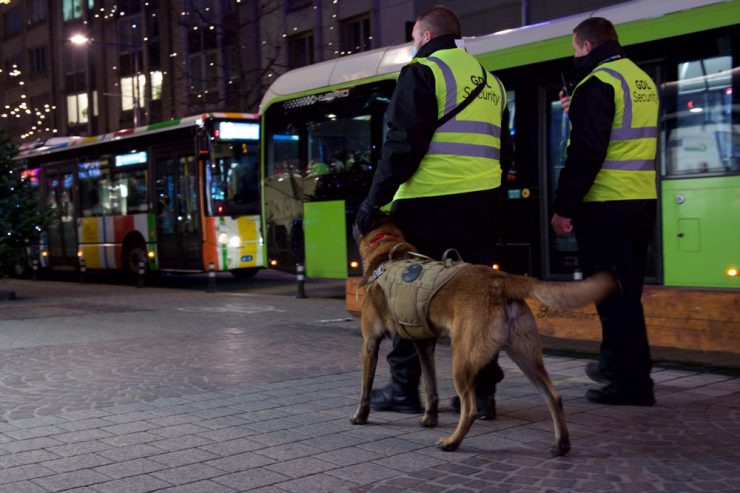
364 220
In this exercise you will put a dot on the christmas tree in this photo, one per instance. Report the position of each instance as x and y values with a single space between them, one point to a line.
21 220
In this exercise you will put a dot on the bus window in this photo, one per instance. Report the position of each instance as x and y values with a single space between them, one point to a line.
232 179
339 155
128 192
94 188
698 131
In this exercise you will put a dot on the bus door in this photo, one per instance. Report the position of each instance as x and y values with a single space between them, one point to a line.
178 214
60 198
560 253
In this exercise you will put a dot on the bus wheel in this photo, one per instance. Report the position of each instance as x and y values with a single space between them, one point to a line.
244 273
131 258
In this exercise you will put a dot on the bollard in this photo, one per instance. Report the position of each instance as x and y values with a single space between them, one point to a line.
211 278
577 275
301 279
35 266
82 270
141 281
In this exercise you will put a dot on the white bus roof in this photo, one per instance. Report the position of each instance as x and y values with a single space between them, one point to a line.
53 144
385 61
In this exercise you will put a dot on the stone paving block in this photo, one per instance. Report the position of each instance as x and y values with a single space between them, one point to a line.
288 451
131 439
225 434
82 436
253 478
200 487
68 480
85 461
240 462
129 428
30 444
38 421
410 461
177 419
23 458
22 473
78 448
319 483
21 487
184 457
85 424
180 443
232 447
134 467
188 474
129 452
179 430
364 473
130 416
278 437
334 441
35 432
135 484
391 446
297 468
349 456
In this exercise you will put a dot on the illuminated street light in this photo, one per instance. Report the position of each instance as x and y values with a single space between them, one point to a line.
80 39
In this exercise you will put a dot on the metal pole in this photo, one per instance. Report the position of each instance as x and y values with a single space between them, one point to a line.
142 274
211 278
301 279
82 270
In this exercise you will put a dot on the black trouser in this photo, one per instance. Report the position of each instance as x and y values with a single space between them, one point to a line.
615 236
466 222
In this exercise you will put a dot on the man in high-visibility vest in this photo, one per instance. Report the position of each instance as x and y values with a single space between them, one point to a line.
442 175
607 195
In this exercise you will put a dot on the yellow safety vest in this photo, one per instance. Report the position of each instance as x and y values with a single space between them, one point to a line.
628 172
463 155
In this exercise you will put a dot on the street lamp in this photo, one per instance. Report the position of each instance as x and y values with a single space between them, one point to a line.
80 39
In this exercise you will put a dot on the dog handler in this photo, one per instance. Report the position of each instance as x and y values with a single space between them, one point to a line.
442 177
607 195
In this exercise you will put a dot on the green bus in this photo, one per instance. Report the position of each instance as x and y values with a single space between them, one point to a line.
323 130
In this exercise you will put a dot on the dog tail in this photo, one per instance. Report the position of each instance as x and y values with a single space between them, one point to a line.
561 294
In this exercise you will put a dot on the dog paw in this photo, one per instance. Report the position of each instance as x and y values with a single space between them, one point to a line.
560 449
358 420
428 421
447 445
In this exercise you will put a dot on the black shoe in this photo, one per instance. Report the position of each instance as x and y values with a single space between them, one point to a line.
486 406
615 397
594 373
389 398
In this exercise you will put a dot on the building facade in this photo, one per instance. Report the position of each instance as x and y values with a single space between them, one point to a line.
137 62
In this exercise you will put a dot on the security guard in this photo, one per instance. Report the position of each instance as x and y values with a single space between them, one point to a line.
442 175
607 195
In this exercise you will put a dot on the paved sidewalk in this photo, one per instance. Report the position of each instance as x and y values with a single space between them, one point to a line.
107 388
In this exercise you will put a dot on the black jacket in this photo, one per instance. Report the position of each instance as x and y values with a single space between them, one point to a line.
591 115
411 119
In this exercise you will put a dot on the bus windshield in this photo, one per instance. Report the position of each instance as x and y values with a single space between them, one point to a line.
232 179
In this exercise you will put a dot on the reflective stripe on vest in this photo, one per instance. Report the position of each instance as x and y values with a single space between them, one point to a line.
464 153
628 172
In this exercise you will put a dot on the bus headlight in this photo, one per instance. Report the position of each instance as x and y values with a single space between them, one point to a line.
732 272
223 238
235 242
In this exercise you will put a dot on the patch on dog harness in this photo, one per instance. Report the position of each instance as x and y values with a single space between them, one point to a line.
409 285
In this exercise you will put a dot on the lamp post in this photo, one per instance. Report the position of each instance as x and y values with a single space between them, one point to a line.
80 39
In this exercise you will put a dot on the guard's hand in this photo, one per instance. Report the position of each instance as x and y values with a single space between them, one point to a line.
564 101
562 225
364 220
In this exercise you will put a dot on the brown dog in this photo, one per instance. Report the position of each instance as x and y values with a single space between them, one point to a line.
484 311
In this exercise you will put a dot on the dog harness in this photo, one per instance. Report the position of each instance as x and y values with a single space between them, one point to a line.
409 285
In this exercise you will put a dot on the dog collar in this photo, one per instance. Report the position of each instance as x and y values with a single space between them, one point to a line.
378 238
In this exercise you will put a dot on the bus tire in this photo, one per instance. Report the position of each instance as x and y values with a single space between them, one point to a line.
134 250
244 273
